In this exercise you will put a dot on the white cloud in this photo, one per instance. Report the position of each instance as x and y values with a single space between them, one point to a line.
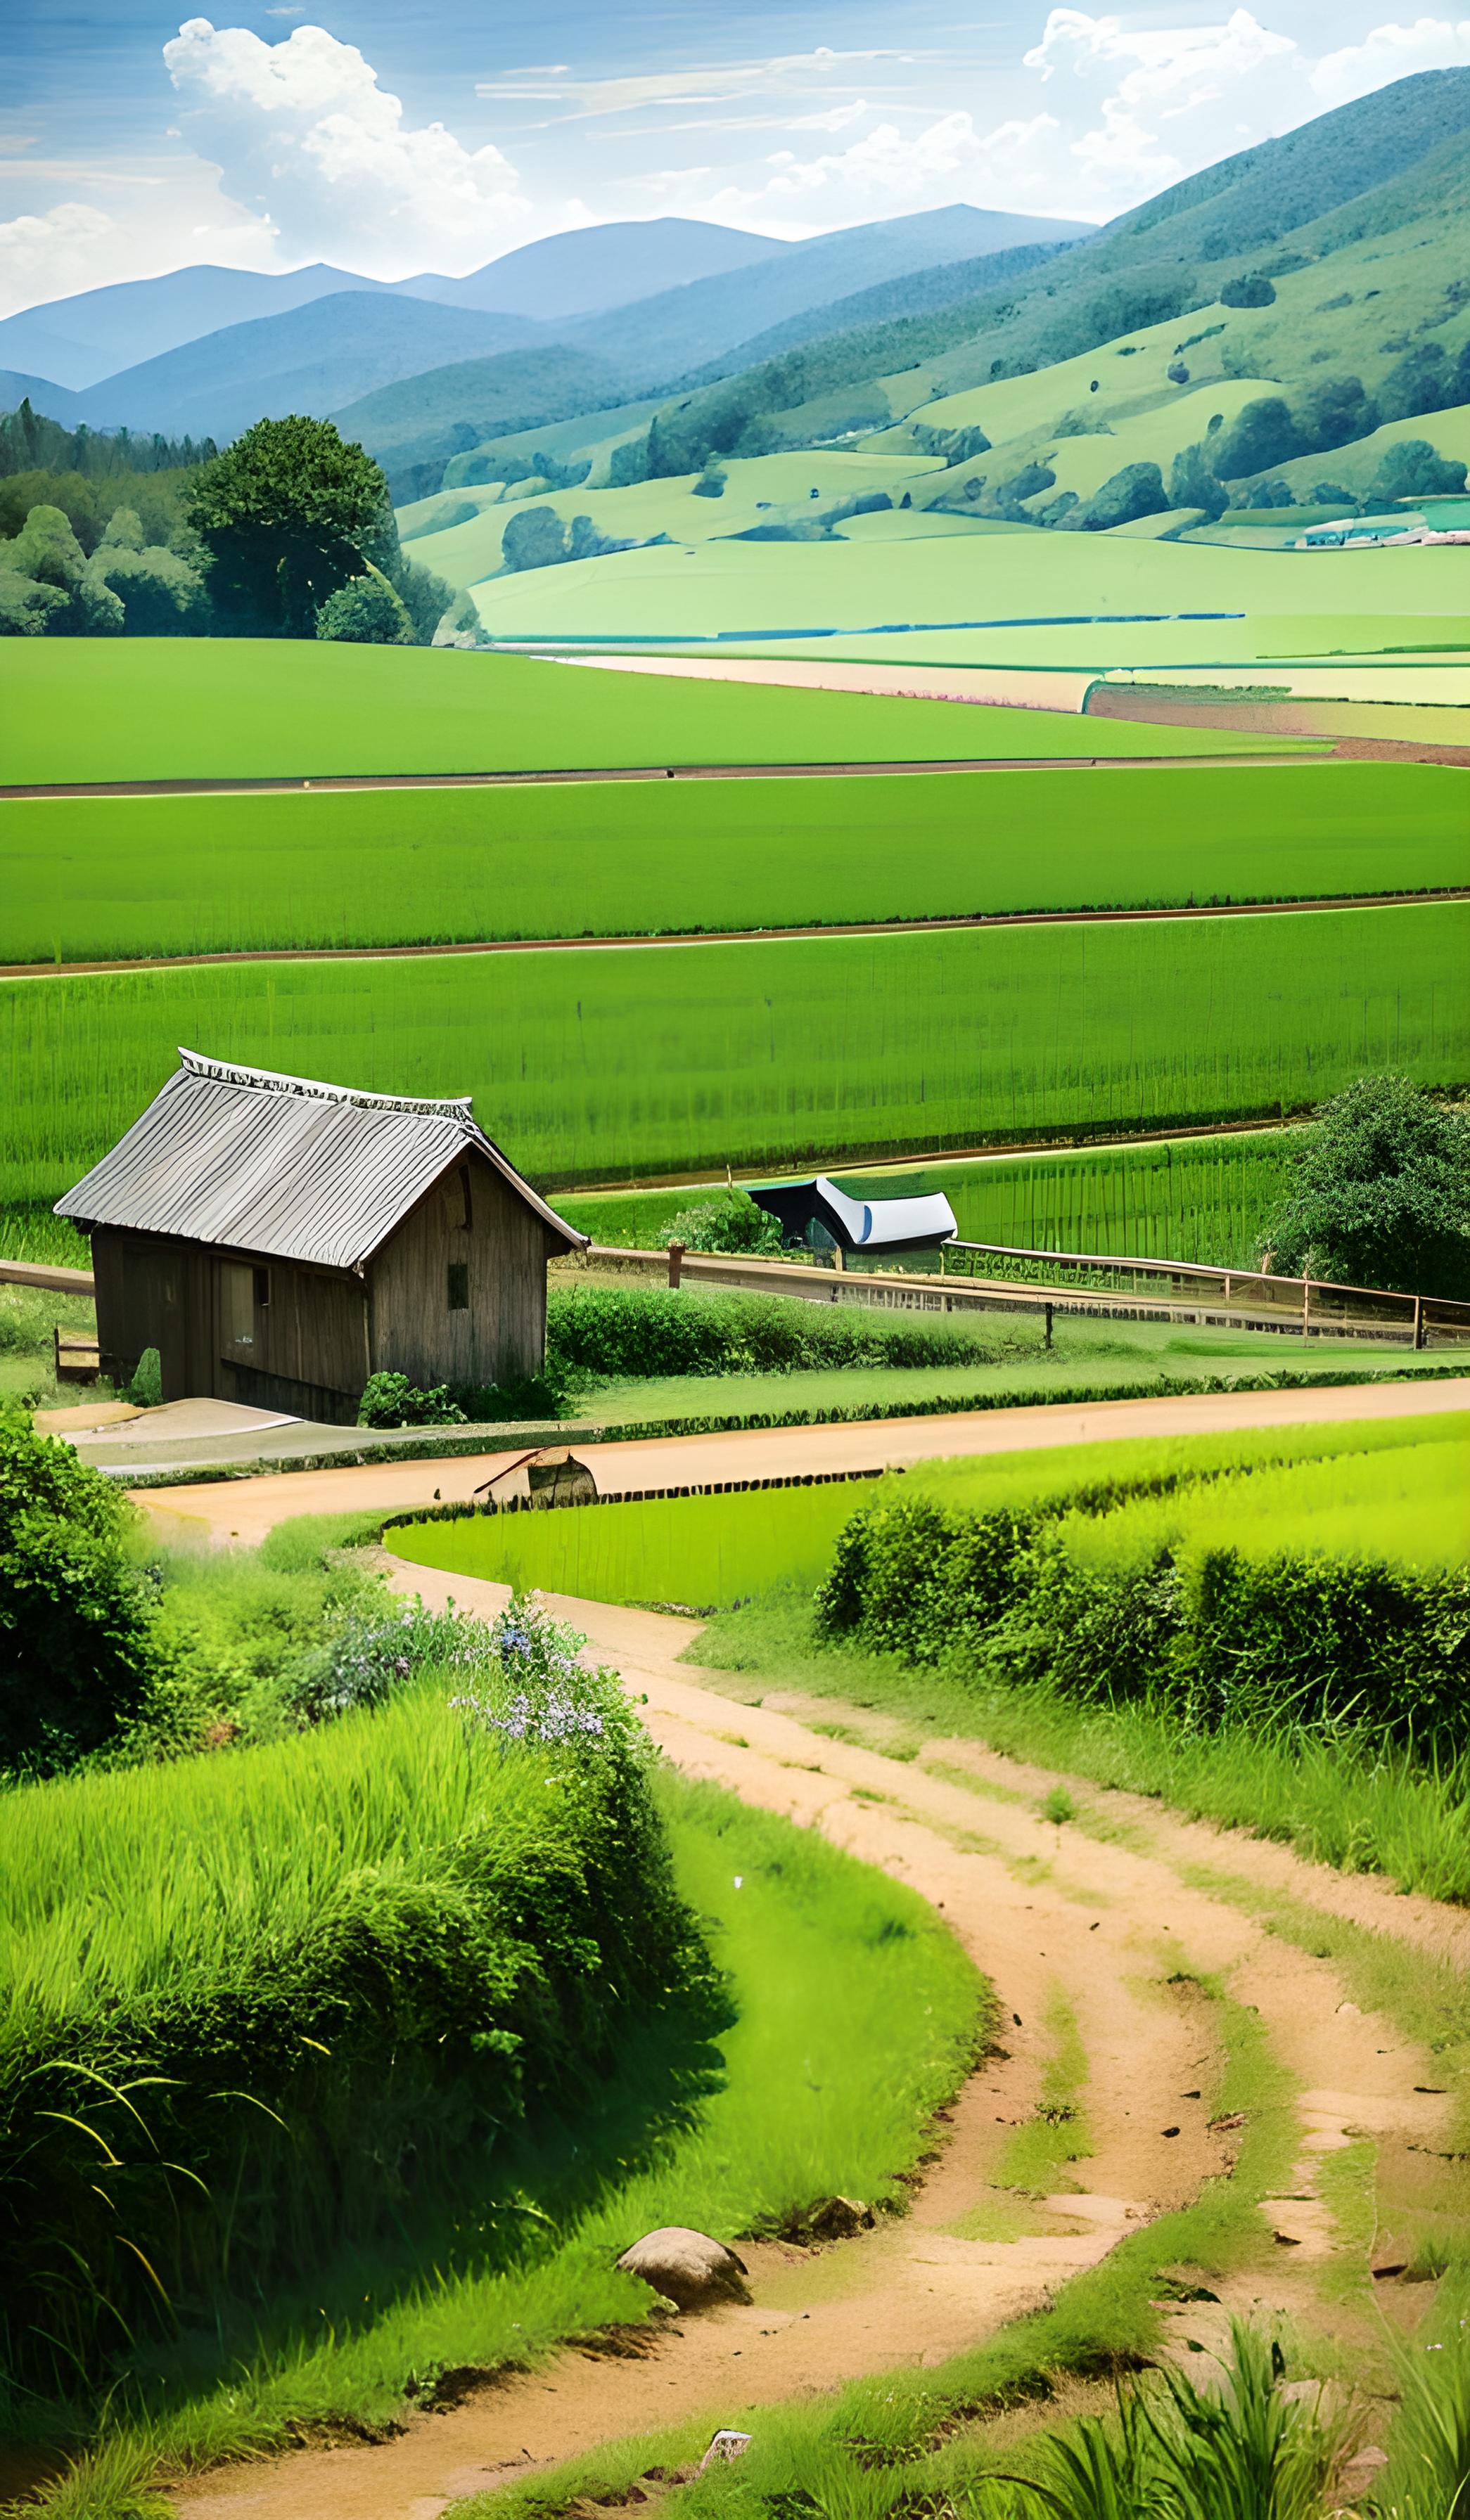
1202 79
1391 52
304 137
52 256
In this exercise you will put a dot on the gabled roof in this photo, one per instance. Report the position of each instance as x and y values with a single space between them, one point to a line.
861 1224
284 1166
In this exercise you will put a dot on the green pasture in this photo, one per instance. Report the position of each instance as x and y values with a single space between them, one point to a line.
611 1060
83 711
110 878
1086 601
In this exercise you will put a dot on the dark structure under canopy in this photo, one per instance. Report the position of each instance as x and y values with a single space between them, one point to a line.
871 1227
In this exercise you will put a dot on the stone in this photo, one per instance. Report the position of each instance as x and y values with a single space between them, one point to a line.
691 2269
837 2217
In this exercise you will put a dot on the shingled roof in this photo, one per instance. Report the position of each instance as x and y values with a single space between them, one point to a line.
281 1165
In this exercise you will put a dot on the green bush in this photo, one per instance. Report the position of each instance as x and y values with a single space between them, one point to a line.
732 1221
263 2010
392 1400
1379 1194
615 1334
1178 1606
81 1647
1248 288
1412 468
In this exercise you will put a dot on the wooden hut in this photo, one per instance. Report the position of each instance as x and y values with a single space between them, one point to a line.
278 1241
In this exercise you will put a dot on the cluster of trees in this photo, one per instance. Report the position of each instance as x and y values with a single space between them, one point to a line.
288 533
538 538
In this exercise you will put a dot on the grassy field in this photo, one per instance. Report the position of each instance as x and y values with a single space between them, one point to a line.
470 2293
587 1064
261 708
1023 598
110 877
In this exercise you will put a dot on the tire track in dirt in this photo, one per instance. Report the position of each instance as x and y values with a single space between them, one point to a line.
1043 1912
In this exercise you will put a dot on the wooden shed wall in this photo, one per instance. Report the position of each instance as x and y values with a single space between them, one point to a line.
473 1220
230 1327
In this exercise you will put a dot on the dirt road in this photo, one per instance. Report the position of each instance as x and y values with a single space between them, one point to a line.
1117 1926
246 1510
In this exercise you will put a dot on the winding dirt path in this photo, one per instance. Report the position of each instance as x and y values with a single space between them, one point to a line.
1115 1929
246 1510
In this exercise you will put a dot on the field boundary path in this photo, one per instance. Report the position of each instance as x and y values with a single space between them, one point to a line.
642 938
247 1508
1052 1917
347 783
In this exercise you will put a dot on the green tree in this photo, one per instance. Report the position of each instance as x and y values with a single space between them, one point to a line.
1260 438
533 538
1412 468
291 511
1136 491
161 595
26 606
1381 1195
367 612
1248 288
1192 483
1332 411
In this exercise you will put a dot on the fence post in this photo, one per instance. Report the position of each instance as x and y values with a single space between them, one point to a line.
1418 1321
1048 1324
1307 1308
675 1261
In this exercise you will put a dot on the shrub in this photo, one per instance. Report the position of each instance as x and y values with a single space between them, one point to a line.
1380 1195
81 1644
146 1390
1261 436
618 1332
731 1223
1193 484
392 1400
1248 288
376 1648
1136 491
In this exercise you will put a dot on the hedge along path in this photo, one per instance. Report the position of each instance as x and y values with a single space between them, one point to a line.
1050 1915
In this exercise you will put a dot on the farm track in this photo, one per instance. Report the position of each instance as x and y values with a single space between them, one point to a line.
1048 1914
990 919
342 783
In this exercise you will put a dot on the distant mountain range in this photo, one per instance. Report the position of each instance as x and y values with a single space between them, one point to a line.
655 298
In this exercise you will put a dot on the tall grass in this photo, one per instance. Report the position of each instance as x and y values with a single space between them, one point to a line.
847 1998
251 2003
604 1064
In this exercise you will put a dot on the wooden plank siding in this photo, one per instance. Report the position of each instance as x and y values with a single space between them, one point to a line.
471 1220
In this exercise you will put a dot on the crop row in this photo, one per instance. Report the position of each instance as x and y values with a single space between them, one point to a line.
113 877
610 1062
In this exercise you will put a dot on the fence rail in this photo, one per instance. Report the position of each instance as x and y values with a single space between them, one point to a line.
1214 1299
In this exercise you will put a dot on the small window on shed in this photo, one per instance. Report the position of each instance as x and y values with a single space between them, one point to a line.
459 1287
261 1288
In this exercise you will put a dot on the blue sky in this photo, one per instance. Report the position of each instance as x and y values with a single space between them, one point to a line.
393 140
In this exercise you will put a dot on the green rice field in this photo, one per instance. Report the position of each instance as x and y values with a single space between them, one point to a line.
101 879
1198 1198
702 1551
261 708
642 1058
696 1550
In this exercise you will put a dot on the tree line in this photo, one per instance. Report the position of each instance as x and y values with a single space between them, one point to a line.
287 533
